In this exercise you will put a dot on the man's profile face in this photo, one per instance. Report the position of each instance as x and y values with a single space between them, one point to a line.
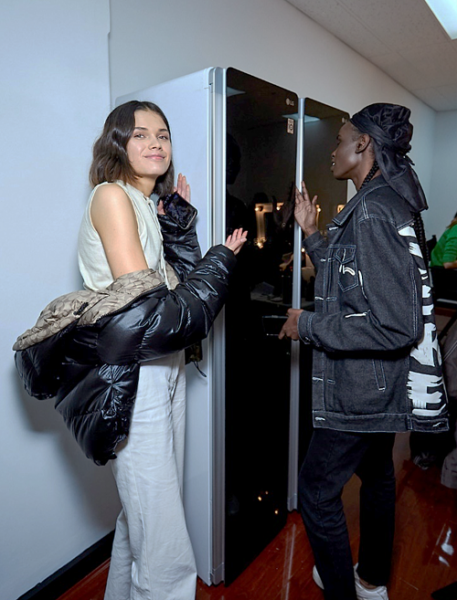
345 158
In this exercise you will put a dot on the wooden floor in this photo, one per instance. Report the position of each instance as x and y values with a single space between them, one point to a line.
425 554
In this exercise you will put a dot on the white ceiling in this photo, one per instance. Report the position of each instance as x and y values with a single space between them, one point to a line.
401 37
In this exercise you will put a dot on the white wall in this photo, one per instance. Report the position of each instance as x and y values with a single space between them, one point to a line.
443 197
55 95
270 39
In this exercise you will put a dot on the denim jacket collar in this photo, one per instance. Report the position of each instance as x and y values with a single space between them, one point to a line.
347 211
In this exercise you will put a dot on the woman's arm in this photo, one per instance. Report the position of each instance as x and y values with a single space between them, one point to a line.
180 242
115 221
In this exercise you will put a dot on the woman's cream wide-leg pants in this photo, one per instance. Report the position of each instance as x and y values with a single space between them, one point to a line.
152 558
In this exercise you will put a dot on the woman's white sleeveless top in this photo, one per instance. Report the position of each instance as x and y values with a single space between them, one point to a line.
93 264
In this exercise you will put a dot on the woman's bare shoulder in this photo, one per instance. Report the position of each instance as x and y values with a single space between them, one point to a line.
109 192
111 202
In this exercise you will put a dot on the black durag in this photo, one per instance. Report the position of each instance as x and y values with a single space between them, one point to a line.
389 127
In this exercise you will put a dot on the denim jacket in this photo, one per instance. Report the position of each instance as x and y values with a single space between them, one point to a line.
376 361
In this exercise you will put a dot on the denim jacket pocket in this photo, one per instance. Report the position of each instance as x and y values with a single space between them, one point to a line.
346 264
379 374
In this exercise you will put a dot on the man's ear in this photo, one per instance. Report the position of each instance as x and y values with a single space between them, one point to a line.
362 143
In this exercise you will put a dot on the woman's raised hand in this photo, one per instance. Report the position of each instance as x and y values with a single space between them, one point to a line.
236 240
305 210
182 188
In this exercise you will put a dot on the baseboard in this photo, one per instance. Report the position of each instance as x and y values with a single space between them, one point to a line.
66 577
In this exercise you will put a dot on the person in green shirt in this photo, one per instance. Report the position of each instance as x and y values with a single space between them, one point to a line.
444 254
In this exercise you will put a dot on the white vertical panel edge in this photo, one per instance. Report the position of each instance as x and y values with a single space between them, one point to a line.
292 498
219 98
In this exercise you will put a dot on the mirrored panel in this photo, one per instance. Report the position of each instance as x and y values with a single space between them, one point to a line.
321 126
260 175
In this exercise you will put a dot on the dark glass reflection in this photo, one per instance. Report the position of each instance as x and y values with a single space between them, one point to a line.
321 126
261 155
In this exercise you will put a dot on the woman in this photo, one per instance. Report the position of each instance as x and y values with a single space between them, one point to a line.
376 364
121 233
444 254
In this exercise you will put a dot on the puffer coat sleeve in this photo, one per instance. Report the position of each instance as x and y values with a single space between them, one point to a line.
160 322
181 247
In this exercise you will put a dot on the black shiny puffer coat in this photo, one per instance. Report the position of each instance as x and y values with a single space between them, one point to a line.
92 365
87 347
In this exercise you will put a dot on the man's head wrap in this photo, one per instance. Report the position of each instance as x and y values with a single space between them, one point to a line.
389 127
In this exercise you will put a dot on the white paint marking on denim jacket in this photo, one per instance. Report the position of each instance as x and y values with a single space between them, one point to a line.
426 389
425 382
344 269
407 231
414 248
426 412
361 285
428 310
424 353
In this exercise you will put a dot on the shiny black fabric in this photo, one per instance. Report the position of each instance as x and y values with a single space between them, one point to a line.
93 370
180 242
179 210
389 127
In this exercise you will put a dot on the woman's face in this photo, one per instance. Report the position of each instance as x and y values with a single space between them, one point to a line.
345 158
149 149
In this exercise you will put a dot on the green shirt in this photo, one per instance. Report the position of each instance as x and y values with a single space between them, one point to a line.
445 250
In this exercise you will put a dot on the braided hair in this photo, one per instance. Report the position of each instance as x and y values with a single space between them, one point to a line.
420 234
370 174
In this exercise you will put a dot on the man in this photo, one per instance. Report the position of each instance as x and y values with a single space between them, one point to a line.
376 366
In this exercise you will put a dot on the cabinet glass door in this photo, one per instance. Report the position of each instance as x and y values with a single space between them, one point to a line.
260 175
320 129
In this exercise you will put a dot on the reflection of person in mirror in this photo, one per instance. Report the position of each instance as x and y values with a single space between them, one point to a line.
122 232
376 365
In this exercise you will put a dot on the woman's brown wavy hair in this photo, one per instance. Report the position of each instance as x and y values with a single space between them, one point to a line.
110 161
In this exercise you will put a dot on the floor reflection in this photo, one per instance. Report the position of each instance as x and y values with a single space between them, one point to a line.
288 562
425 556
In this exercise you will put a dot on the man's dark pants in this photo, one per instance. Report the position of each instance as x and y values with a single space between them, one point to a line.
332 458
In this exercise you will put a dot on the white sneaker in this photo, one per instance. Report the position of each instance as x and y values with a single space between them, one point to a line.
317 578
363 593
